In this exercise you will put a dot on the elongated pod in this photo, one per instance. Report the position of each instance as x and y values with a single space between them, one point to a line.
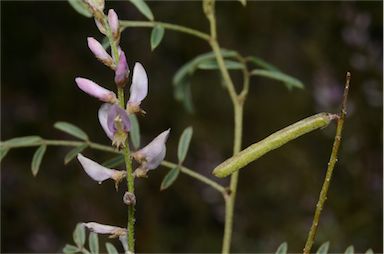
272 142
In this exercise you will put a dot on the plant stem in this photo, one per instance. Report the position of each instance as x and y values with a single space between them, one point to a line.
238 102
131 23
331 166
197 176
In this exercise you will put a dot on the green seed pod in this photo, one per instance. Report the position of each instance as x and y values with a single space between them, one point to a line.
272 142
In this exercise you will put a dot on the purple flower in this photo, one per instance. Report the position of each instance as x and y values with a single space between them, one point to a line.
113 22
115 123
98 172
151 155
95 90
122 70
139 88
99 52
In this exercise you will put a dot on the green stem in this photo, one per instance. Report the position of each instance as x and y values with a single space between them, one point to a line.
197 176
131 23
237 102
331 166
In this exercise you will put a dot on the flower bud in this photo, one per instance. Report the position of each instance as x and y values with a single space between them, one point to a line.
113 22
99 52
139 88
151 155
97 6
100 173
95 90
122 70
106 229
129 198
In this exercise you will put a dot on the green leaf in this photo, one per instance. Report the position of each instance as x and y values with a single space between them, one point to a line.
3 152
213 65
157 35
115 161
143 8
369 251
350 250
73 153
135 131
93 243
79 235
70 249
243 2
111 249
71 129
181 79
323 249
80 7
185 140
170 178
288 80
22 141
282 248
262 63
37 158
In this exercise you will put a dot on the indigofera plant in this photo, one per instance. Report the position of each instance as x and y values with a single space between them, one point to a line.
118 118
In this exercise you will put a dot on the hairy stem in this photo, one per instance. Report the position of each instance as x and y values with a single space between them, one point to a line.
131 23
197 176
331 166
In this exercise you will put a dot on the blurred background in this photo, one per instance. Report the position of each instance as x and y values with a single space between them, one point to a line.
44 48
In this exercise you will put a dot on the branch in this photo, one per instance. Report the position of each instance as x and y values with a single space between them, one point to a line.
130 23
331 166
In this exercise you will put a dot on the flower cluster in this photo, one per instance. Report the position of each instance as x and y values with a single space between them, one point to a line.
114 113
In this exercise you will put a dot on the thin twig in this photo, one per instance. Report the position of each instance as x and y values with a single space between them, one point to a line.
331 166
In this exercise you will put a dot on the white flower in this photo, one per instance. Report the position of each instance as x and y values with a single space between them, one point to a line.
106 229
139 88
152 154
100 173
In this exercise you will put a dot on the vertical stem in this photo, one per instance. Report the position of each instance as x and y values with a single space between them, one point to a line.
331 166
238 102
127 156
230 200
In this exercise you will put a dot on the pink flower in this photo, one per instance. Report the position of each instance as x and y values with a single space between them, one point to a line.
95 90
122 70
99 52
113 22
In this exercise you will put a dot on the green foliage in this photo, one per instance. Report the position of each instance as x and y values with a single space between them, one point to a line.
323 249
3 152
71 130
79 235
262 63
157 35
143 8
289 81
369 251
134 133
282 248
37 158
170 178
73 153
81 7
350 250
93 243
69 249
184 141
22 141
115 161
181 79
213 65
110 248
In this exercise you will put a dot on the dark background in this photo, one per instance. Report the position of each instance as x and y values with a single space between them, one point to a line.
43 47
